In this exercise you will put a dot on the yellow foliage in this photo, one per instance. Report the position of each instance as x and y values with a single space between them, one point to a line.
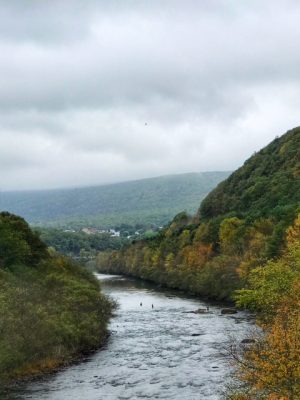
272 365
293 233
197 255
229 235
169 262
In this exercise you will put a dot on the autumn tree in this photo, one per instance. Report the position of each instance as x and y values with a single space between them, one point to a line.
271 366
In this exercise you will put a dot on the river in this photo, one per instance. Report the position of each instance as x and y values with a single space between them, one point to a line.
164 352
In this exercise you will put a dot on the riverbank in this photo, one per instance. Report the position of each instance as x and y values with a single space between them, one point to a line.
168 286
51 316
42 369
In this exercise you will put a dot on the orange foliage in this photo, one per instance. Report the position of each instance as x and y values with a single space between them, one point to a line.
272 365
197 255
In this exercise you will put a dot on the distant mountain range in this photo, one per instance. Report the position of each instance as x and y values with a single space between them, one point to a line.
146 201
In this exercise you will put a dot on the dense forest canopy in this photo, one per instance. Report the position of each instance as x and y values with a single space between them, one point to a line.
51 310
18 244
267 184
270 367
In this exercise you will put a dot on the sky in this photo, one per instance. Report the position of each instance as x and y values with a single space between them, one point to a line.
95 92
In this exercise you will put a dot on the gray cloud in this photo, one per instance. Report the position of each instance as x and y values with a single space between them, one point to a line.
212 80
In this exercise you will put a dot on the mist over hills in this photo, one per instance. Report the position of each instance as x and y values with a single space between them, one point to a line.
152 200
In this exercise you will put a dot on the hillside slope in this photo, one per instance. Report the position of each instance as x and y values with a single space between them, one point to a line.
240 225
154 200
51 310
268 183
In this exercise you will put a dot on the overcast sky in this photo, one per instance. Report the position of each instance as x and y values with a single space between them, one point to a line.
98 91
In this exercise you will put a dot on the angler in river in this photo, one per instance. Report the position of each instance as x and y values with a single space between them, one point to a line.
171 353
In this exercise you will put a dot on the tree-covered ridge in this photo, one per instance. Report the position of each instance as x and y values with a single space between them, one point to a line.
18 244
267 184
146 201
213 253
51 310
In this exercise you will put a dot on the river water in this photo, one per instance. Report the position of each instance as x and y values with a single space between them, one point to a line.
164 352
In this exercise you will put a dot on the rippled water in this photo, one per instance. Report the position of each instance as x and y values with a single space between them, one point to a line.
163 352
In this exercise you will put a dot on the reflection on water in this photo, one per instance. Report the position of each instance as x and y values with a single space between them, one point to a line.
157 350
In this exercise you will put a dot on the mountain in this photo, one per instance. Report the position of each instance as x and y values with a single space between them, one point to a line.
153 200
267 184
240 225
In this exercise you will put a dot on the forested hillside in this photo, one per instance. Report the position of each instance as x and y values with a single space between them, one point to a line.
240 224
270 367
267 184
243 245
147 201
51 310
